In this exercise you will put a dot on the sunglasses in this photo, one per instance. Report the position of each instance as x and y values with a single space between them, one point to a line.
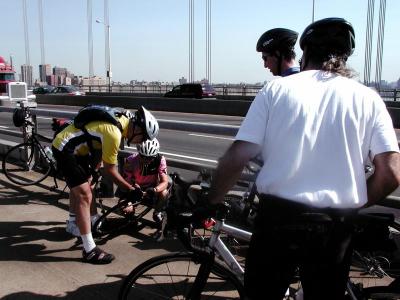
146 158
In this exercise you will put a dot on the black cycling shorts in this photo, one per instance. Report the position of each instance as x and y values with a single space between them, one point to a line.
75 169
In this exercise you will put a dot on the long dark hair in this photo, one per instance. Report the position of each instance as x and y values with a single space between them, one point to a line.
337 65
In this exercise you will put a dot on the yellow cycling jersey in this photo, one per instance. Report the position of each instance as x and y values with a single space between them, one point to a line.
106 138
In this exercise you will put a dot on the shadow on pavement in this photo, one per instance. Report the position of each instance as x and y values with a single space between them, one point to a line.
94 291
11 194
25 241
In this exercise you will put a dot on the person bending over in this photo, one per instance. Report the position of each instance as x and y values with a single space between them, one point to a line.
80 152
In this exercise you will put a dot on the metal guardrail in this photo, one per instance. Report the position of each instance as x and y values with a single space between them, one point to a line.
221 90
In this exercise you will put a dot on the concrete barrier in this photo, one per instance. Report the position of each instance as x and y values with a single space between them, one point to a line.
201 106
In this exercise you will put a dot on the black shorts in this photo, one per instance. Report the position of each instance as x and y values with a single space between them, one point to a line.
75 169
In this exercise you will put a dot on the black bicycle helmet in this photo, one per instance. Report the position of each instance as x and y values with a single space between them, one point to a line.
19 117
277 39
329 36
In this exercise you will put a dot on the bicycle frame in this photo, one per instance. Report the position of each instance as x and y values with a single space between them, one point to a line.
218 245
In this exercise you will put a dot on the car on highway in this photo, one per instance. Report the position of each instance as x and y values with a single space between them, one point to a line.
42 89
191 90
66 90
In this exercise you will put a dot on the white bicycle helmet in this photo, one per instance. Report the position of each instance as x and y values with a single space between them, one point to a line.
127 113
149 147
147 121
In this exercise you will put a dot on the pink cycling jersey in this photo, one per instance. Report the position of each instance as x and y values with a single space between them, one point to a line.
133 172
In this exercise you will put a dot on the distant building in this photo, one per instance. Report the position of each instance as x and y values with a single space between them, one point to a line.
26 75
67 81
51 79
60 79
44 71
60 71
182 80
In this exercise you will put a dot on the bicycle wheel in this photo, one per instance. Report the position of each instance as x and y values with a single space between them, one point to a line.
114 219
171 276
381 292
26 164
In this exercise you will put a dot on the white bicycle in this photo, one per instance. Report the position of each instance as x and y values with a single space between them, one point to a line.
209 270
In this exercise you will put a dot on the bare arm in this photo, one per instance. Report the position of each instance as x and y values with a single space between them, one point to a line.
112 171
163 184
230 167
386 177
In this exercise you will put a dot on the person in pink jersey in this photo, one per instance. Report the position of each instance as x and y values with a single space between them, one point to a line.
147 170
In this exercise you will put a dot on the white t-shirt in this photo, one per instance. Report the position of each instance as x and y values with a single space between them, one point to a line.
317 132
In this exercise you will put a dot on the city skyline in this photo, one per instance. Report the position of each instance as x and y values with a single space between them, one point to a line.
149 41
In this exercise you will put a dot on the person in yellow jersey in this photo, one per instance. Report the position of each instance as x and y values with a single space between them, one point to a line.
79 152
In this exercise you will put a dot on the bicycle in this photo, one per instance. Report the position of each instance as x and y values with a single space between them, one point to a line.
208 270
114 219
373 257
29 162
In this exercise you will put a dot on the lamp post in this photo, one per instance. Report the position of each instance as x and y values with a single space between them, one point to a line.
313 10
109 74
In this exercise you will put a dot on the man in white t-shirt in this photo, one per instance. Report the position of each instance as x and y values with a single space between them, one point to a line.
316 131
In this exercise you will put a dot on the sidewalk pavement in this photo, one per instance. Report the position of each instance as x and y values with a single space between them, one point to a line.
39 260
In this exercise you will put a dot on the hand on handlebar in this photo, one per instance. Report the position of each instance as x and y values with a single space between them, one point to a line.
207 211
135 194
149 193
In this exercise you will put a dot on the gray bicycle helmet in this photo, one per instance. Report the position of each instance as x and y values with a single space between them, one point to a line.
330 36
277 39
19 117
149 147
148 122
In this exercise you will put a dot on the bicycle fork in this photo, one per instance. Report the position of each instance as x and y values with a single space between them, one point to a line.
201 277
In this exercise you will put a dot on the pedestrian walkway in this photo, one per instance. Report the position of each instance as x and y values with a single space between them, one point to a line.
39 260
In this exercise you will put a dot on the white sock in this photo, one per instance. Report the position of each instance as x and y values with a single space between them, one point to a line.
94 218
88 242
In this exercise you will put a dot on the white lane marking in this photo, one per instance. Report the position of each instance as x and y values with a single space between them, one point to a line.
199 123
212 137
183 156
46 118
4 126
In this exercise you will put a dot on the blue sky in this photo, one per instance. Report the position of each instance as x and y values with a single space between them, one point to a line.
149 38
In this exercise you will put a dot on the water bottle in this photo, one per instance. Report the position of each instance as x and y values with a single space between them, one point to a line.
49 154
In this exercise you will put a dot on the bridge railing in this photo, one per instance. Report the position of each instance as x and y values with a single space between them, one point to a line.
221 90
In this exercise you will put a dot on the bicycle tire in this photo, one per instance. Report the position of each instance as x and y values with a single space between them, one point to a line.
22 167
114 219
171 276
